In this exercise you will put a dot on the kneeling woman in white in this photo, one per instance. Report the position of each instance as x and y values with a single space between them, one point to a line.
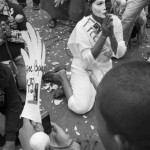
94 41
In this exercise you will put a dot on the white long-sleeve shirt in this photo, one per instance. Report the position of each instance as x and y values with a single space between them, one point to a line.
83 39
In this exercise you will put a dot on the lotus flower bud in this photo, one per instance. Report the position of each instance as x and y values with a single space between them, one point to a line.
19 18
39 141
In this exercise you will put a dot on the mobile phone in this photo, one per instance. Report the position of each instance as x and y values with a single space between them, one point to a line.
46 122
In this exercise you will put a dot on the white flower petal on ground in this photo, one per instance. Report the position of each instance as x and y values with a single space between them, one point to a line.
66 130
92 127
46 87
77 133
55 63
54 87
84 116
57 102
75 128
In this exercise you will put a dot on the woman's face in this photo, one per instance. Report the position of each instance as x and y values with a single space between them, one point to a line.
99 8
2 4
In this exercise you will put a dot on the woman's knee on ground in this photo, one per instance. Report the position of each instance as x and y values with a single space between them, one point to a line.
80 105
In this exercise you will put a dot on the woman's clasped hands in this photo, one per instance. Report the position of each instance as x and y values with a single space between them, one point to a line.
107 26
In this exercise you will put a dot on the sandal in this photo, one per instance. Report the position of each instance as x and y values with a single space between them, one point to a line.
49 76
52 23
59 93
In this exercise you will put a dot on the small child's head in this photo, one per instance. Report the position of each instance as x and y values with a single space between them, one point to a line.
123 107
39 141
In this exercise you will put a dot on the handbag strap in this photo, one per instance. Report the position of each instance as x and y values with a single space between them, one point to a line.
14 68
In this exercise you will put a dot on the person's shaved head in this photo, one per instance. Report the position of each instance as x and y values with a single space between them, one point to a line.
123 99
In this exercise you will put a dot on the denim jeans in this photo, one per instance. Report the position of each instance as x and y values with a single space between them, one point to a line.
133 9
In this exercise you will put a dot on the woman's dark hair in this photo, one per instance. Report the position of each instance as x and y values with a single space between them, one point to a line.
107 3
5 74
90 1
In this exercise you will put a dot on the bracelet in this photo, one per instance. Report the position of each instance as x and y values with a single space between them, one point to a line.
64 146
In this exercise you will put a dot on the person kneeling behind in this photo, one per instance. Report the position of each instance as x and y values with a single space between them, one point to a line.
122 112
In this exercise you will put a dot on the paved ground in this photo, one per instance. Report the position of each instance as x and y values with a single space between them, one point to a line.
78 126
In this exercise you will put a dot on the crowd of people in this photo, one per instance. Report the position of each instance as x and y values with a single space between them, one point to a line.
102 30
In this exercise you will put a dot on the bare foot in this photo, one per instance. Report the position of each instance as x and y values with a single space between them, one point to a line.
58 76
54 77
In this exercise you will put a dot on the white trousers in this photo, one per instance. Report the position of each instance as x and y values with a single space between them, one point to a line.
84 91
